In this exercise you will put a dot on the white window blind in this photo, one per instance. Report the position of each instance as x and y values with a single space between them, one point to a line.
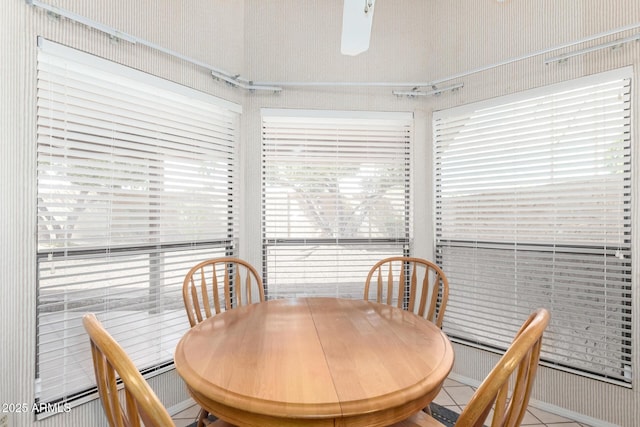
533 209
336 198
135 185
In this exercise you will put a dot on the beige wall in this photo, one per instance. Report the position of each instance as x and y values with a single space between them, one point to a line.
293 40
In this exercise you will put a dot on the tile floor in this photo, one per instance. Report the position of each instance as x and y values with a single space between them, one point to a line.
454 395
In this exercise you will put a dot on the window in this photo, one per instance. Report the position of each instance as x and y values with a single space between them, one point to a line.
135 185
336 198
533 208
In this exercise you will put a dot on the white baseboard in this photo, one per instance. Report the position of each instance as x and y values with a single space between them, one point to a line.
179 407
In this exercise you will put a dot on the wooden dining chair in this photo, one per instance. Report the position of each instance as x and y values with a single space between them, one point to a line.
391 276
219 284
114 369
507 388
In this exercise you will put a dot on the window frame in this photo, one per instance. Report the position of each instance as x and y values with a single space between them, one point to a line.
392 245
146 244
533 248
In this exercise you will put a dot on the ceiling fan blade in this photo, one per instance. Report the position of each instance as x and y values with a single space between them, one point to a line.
357 18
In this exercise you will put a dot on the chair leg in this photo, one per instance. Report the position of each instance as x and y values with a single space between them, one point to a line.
203 418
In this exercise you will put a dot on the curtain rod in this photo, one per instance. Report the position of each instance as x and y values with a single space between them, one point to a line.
613 44
435 82
233 80
237 81
540 52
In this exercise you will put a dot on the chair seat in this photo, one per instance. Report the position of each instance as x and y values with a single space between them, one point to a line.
419 419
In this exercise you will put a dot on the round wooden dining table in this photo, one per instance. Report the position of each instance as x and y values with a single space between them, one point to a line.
314 362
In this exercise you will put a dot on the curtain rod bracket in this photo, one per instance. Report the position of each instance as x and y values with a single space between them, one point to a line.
435 91
54 16
613 45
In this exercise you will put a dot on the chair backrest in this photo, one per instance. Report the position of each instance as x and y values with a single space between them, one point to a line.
220 284
393 275
137 401
507 388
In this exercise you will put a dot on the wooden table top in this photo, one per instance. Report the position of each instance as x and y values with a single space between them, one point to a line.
314 361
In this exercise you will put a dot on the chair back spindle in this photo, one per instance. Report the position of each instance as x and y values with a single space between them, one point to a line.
220 284
420 277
